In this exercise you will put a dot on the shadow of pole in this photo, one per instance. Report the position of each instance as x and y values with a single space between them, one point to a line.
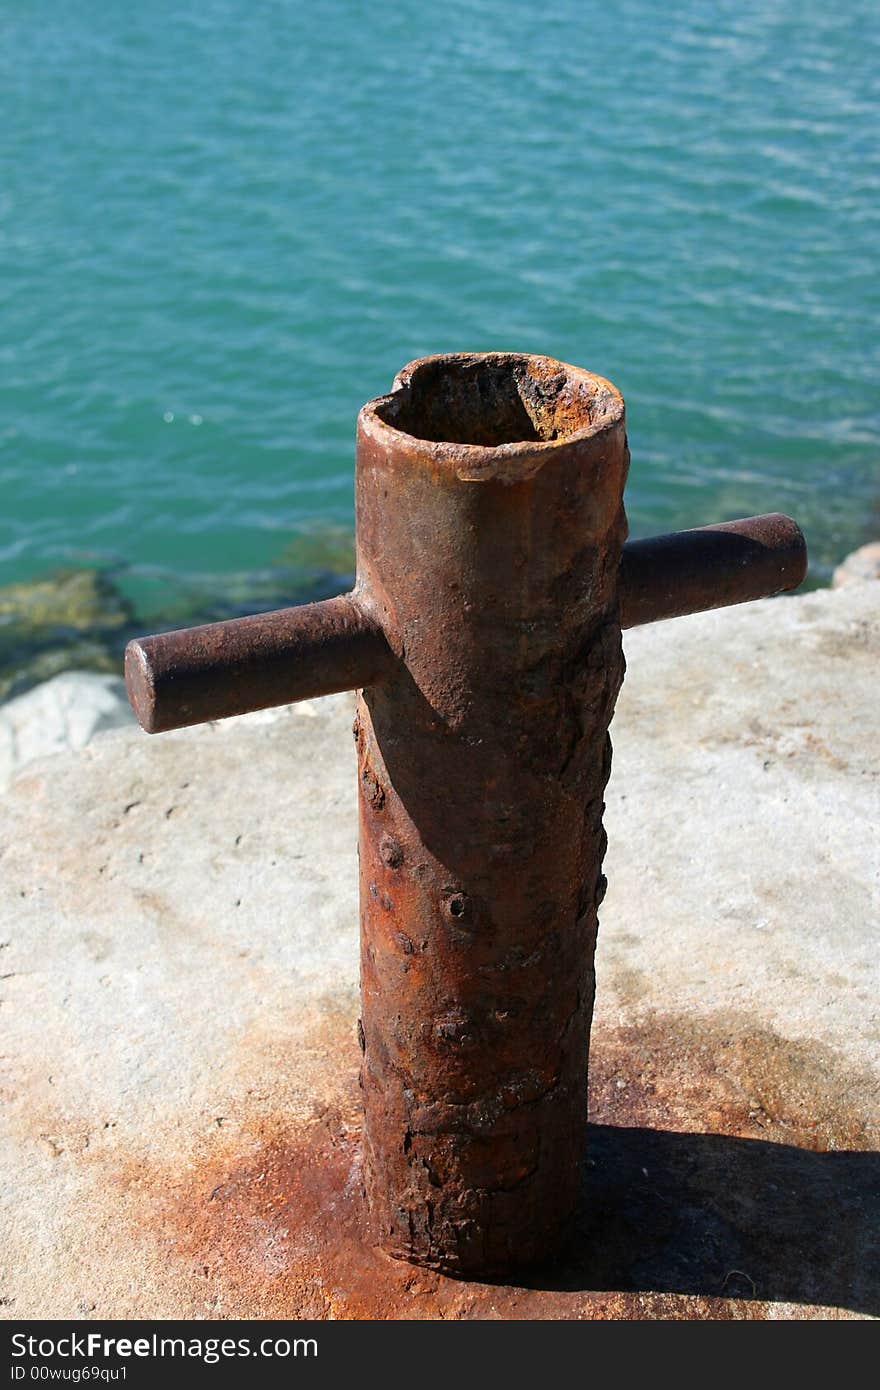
719 1217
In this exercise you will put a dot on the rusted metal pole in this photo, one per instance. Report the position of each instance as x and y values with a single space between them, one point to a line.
200 673
483 762
485 634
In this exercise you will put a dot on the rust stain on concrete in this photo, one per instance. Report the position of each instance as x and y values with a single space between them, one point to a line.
729 1174
726 1074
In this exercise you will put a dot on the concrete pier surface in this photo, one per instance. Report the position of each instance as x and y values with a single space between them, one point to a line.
178 953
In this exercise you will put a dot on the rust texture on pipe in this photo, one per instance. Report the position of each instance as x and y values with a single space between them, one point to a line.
710 567
482 763
195 674
484 634
202 673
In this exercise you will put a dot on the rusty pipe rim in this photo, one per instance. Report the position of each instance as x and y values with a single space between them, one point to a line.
510 411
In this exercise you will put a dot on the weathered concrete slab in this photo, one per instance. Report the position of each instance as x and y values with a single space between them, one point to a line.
179 997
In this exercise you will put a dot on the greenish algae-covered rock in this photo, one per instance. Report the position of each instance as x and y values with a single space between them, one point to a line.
73 619
329 550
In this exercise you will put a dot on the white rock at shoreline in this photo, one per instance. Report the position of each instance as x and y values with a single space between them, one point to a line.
862 566
64 713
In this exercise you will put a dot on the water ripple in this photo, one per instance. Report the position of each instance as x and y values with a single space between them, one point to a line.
250 217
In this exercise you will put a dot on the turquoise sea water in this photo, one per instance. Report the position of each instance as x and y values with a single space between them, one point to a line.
223 226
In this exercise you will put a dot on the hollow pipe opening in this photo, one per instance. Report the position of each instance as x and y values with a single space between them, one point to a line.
494 399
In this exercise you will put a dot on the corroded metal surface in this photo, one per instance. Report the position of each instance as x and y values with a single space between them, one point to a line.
710 567
483 762
698 1200
485 630
201 673
190 676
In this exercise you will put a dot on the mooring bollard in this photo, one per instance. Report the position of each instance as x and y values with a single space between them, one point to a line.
484 635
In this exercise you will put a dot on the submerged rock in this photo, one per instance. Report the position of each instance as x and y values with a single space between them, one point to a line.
80 600
330 550
71 620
